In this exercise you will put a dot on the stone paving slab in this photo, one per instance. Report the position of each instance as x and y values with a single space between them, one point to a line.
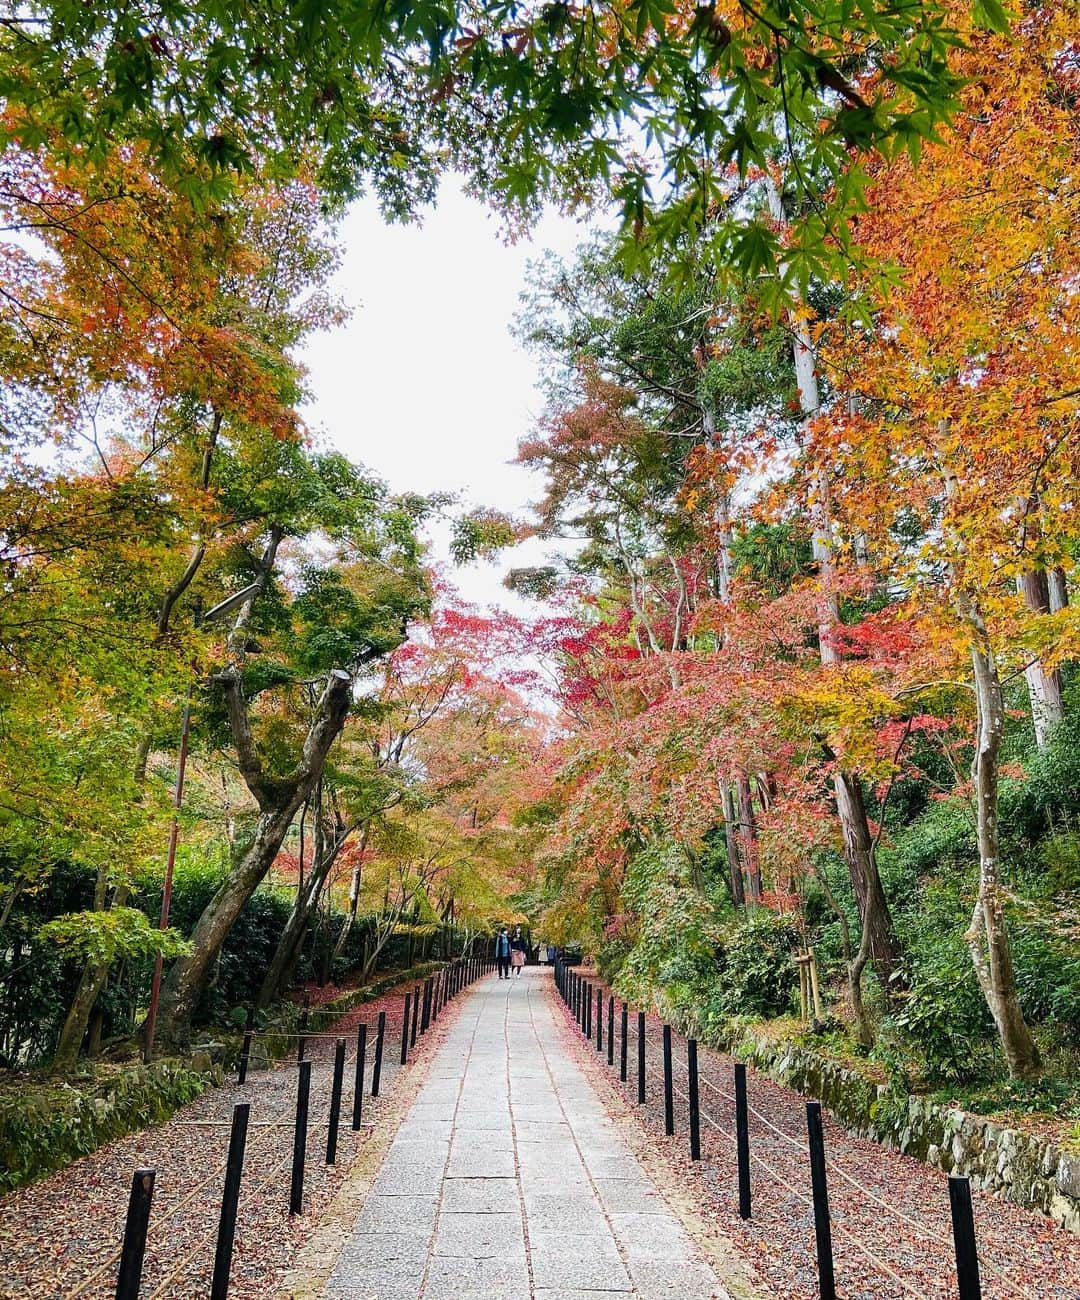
508 1180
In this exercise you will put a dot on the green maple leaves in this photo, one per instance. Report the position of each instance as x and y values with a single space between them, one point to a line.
560 102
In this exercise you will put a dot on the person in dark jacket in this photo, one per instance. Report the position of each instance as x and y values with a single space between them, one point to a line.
502 954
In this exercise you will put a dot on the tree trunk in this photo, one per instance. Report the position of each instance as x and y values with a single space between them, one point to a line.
877 927
748 839
290 945
988 938
731 839
882 948
1044 685
279 800
1059 590
354 895
854 963
91 982
78 1018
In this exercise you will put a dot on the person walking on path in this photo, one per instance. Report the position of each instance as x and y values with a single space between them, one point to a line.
519 950
502 954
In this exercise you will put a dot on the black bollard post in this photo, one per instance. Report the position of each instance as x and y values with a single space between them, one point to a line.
234 1168
245 1050
669 1096
405 1030
303 1092
742 1140
138 1218
358 1081
301 1045
415 1015
819 1183
623 1026
641 1058
610 1030
376 1067
963 1227
425 1015
692 1091
587 1022
335 1102
599 1020
245 1056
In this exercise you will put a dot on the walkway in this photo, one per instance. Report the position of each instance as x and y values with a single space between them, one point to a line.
508 1179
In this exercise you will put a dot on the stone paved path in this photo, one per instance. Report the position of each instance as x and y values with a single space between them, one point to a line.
507 1179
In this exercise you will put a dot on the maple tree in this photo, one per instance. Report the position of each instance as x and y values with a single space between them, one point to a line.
811 436
530 103
791 596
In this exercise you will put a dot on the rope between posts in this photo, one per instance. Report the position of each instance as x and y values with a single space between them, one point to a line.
268 1127
279 1120
857 1241
273 1175
927 1232
874 1259
215 1173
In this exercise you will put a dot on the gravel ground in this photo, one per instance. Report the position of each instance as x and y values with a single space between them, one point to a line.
891 1227
60 1237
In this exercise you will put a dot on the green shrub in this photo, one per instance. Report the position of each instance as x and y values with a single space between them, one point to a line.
756 974
675 947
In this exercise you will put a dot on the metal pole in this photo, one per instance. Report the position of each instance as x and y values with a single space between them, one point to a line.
415 1015
234 1168
611 1029
742 1140
405 1030
303 1092
358 1081
641 1058
335 1102
622 1042
301 1045
963 1226
692 1090
138 1219
245 1050
599 1020
669 1096
166 891
822 1226
376 1068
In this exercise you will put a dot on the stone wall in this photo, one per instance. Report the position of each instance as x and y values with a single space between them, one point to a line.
45 1126
1018 1166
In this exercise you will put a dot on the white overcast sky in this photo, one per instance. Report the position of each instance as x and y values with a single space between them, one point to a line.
425 384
